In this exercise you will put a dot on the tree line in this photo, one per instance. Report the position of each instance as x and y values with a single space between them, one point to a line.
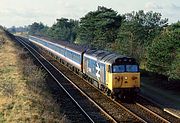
142 35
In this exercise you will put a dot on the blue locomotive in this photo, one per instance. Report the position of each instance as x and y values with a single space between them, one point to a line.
116 75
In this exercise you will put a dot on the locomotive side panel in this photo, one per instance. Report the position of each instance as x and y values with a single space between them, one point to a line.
109 81
90 67
94 69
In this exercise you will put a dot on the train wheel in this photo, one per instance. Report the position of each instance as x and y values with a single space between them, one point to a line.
108 92
113 96
102 88
122 96
134 95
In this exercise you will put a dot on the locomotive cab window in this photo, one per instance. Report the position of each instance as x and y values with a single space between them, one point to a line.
132 68
118 68
125 68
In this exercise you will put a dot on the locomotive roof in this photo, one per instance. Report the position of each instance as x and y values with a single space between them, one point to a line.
105 56
76 47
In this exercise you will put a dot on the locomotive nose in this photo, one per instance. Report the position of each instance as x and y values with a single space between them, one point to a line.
125 77
134 78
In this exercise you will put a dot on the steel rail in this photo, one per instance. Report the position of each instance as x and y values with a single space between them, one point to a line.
153 113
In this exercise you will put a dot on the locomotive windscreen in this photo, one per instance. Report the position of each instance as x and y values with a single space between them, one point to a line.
125 65
125 68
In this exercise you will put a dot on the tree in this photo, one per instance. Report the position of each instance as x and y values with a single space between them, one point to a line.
137 31
37 29
64 29
98 28
164 53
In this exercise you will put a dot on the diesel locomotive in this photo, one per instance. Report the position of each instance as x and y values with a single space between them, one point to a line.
114 74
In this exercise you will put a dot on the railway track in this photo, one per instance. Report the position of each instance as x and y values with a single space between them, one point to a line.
111 110
155 109
118 111
145 113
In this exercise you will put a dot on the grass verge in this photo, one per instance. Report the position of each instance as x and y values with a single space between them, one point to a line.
23 93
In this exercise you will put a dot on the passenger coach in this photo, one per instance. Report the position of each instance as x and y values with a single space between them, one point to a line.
71 54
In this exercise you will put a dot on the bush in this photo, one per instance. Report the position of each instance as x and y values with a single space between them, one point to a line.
23 54
34 75
7 89
36 80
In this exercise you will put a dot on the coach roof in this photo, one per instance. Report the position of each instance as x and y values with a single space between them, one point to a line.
71 46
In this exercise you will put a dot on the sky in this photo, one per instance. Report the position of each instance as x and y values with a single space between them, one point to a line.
25 12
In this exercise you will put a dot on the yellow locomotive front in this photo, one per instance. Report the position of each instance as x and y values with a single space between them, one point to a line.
123 78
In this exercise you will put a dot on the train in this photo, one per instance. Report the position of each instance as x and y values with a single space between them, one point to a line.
114 74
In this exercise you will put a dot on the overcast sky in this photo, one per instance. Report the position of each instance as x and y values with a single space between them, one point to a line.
25 12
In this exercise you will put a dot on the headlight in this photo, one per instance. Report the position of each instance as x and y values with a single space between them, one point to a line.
125 77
